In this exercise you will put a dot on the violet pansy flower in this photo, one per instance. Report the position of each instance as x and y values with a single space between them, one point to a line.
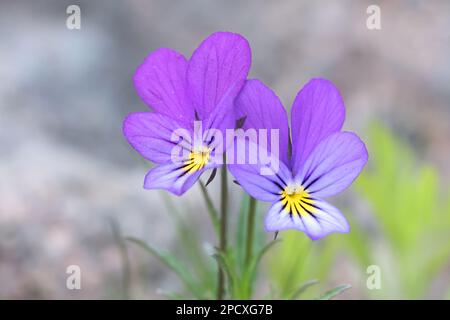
324 160
181 92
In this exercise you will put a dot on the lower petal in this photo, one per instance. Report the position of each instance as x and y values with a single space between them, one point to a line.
172 177
317 219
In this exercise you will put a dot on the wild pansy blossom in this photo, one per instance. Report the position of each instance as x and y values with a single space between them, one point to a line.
324 160
181 92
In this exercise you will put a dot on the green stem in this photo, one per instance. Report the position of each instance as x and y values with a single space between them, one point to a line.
250 230
223 230
211 209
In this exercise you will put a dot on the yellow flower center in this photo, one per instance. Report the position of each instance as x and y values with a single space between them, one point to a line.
296 200
197 159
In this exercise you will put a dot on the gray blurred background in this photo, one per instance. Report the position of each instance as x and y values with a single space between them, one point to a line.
66 172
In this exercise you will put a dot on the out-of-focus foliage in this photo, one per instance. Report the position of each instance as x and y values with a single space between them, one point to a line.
410 243
413 218
298 261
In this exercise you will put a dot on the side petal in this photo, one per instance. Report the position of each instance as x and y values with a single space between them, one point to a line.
260 174
319 220
317 112
221 60
333 165
160 81
171 177
154 135
262 109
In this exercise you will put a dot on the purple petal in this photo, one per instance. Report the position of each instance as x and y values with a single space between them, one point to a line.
317 112
333 165
172 177
161 83
264 178
321 221
153 136
223 117
221 60
263 110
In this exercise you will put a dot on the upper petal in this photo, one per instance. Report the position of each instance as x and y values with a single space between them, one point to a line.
221 60
160 81
317 111
333 165
262 109
223 116
154 135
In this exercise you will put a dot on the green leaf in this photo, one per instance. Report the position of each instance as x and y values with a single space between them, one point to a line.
334 292
290 263
172 263
303 288
250 272
263 251
404 197
227 266
191 249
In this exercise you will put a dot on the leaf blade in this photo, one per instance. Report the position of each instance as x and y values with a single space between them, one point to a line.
334 292
172 263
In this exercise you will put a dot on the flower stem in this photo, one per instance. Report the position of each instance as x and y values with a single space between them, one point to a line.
250 230
223 230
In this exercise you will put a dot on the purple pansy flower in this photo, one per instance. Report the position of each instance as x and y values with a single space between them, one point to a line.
324 161
181 92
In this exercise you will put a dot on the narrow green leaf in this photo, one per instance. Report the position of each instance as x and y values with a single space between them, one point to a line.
334 292
172 263
303 288
264 250
226 266
250 271
191 247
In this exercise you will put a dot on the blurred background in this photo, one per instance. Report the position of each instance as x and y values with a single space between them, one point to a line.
71 187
